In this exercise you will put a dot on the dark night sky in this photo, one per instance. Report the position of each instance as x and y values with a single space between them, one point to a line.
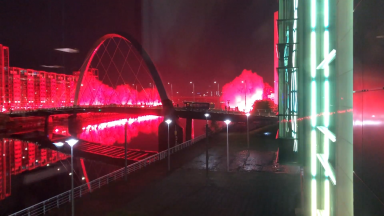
189 40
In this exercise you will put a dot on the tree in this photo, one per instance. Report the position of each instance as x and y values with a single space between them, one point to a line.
264 105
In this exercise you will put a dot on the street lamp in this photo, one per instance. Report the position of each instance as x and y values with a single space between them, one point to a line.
136 94
218 88
206 117
248 129
228 106
125 151
245 95
193 90
58 144
207 142
168 121
153 89
171 90
227 122
72 142
136 86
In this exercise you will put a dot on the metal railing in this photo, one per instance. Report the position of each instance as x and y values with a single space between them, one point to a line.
56 201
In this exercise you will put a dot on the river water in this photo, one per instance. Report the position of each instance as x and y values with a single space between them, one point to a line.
30 173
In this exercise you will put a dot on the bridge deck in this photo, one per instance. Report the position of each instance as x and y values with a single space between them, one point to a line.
218 115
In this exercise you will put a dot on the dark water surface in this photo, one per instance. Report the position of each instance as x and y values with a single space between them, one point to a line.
30 174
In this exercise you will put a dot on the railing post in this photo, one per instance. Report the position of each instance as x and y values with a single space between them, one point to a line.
107 179
90 187
57 201
99 183
44 207
80 191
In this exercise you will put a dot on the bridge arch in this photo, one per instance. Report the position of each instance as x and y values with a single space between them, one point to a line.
167 104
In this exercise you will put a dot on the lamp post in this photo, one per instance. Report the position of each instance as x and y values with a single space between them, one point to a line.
218 92
125 151
193 90
207 142
228 106
136 94
218 88
171 90
168 121
247 130
227 122
245 95
72 142
153 89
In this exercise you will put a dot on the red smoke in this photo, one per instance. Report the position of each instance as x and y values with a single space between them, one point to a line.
94 92
248 85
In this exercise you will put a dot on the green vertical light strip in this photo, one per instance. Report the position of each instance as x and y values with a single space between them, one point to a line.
326 107
313 14
326 13
313 109
313 54
294 78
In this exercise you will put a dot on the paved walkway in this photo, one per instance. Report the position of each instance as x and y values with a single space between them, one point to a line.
250 188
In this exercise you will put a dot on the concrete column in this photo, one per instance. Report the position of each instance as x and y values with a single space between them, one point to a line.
188 129
46 126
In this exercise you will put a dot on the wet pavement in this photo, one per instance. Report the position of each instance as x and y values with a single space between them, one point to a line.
252 187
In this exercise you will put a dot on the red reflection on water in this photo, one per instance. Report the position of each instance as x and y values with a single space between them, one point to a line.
19 156
248 84
112 132
85 173
94 92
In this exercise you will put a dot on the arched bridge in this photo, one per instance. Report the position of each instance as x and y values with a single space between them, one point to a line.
117 76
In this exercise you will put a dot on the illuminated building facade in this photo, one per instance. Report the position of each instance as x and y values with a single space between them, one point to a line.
315 99
23 89
4 67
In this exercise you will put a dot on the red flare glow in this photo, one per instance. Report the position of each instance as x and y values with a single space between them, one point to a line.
248 84
94 92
